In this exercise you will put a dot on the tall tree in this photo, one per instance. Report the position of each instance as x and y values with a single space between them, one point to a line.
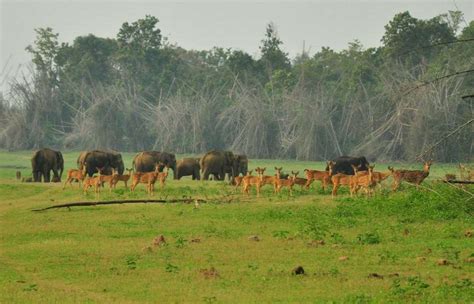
44 52
89 58
139 52
273 57
407 38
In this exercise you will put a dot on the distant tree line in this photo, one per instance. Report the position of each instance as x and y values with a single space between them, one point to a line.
141 92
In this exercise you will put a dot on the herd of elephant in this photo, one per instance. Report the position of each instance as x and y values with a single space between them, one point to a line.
218 164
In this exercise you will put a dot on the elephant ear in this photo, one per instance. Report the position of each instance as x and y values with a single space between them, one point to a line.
229 157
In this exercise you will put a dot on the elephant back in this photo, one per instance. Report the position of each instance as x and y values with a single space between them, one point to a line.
146 161
101 159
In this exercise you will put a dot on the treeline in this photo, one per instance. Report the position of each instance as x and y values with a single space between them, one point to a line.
141 92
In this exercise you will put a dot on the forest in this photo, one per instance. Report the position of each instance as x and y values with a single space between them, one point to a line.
138 91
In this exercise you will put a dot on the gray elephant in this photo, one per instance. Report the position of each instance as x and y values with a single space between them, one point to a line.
146 161
107 160
188 166
218 163
243 164
43 162
239 165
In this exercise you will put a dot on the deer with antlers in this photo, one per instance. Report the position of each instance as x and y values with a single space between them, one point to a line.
411 176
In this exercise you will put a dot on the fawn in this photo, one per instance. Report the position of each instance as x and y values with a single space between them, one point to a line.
290 182
411 176
75 174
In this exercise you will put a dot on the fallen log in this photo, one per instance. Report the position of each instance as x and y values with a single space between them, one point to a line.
458 182
126 201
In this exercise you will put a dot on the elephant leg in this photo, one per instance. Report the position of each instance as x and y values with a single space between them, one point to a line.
205 174
47 176
56 175
35 176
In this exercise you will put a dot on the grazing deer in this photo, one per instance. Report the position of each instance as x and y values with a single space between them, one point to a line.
338 179
257 181
411 176
290 182
362 180
122 177
75 175
323 176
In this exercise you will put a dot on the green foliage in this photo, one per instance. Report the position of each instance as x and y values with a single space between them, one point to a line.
412 286
406 34
45 50
368 238
273 58
119 93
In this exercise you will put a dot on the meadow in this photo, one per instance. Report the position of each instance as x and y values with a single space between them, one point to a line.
234 248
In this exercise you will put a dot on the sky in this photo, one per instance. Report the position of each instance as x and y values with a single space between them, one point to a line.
194 24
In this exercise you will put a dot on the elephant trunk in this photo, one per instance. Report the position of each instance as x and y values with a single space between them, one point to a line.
120 168
173 167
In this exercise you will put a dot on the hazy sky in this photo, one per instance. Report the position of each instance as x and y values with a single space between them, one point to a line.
204 24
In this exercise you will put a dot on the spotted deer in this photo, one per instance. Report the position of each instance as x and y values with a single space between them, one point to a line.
289 183
250 180
338 180
238 179
362 180
122 177
313 175
75 175
149 178
411 176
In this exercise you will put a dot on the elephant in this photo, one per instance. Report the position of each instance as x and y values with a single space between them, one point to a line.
218 163
188 166
243 164
107 160
147 160
239 165
45 160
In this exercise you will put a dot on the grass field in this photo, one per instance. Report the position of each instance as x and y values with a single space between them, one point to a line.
392 242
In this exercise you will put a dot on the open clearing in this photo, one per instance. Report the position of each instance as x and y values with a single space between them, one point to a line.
393 243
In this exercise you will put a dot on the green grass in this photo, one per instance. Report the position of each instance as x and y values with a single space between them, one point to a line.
99 254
